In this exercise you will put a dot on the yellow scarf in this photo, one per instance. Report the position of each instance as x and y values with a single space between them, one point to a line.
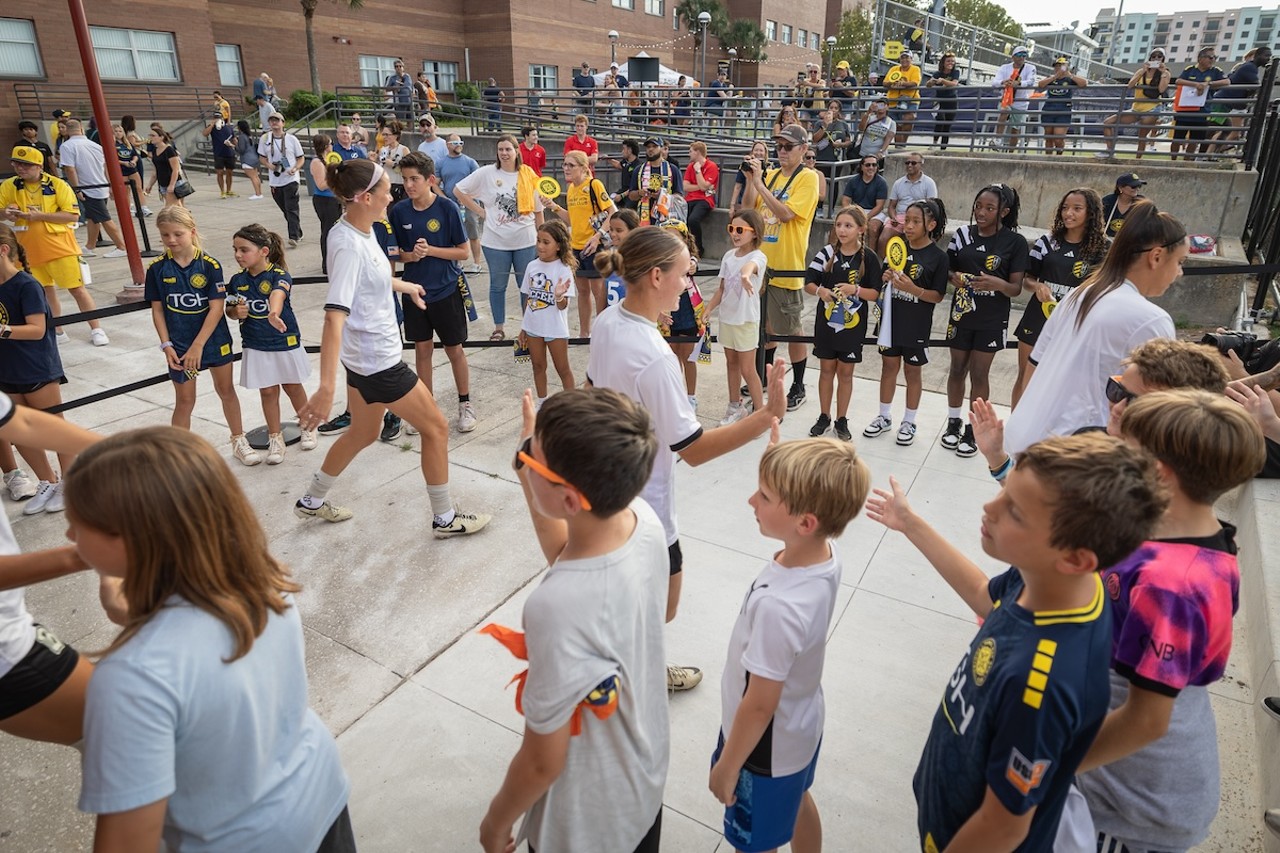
526 180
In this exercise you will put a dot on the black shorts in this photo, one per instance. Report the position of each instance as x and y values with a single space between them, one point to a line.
822 353
224 162
29 387
1193 126
980 340
586 265
38 675
385 386
675 557
95 209
1031 324
340 838
446 319
917 356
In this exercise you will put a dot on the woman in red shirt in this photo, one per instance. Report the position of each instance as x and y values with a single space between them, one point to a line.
701 178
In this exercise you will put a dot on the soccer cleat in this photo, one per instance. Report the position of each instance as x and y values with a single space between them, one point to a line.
951 437
880 425
463 524
683 678
326 511
795 397
466 417
44 493
98 337
308 439
906 433
967 446
20 485
820 426
338 424
842 429
275 449
241 450
391 426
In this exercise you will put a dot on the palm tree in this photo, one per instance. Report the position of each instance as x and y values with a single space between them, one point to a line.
309 14
747 38
688 10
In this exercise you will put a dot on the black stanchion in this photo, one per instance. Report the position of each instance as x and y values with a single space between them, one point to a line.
147 251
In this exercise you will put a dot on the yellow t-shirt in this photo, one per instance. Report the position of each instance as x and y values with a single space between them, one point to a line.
43 241
786 244
224 108
896 74
578 203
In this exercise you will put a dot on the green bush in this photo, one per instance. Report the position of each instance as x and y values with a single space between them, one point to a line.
466 93
301 102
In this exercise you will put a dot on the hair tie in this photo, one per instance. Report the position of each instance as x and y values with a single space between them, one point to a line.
373 182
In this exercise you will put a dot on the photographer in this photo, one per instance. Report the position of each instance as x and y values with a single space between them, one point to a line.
283 155
1254 368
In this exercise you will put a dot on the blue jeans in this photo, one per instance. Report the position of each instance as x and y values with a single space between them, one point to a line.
501 262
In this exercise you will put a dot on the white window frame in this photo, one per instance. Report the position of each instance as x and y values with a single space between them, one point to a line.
223 79
372 66
443 76
813 41
110 55
629 5
543 77
657 8
802 38
771 30
786 34
15 42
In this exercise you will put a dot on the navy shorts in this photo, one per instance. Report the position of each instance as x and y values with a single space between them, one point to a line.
764 816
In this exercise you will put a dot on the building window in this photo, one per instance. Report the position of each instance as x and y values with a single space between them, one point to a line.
543 77
625 4
1177 37
802 37
786 34
1177 25
813 41
771 30
374 70
675 20
444 75
1247 21
1195 25
19 55
655 7
230 71
134 54
1146 26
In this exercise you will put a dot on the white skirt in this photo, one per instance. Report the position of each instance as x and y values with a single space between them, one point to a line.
265 369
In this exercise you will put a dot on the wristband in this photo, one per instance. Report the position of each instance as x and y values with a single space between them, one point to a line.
1000 473
164 345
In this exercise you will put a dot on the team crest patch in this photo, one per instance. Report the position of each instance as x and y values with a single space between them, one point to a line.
225 349
1080 269
1023 774
984 659
913 272
991 263
264 287
433 225
4 316
1117 224
199 280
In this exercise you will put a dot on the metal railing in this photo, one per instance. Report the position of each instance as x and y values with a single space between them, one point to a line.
147 102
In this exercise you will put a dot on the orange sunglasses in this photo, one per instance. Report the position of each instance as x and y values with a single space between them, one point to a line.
524 456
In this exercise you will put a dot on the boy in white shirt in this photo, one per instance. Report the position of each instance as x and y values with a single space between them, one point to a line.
771 693
590 772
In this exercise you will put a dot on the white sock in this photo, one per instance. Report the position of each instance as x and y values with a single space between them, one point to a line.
441 502
886 411
953 411
909 416
319 488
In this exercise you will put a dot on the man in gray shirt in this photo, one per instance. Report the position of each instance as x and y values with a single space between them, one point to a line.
84 166
450 171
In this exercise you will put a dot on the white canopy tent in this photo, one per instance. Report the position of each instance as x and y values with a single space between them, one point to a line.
666 76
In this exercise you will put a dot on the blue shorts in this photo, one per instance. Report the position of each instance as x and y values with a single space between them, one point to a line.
764 816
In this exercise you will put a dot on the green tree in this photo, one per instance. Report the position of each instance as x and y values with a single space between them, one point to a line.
687 13
309 14
853 41
984 15
747 38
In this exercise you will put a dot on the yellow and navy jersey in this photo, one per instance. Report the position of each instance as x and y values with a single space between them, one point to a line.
1003 254
185 292
256 332
1017 715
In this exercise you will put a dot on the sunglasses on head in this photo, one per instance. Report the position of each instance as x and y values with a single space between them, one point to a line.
524 456
1117 393
740 229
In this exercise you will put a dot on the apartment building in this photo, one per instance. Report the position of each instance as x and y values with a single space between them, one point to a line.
1231 33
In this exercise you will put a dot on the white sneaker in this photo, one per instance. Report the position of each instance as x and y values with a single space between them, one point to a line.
62 337
466 417
275 449
255 197
44 493
146 211
308 441
99 337
20 485
116 253
241 450
56 503
410 429
86 252
880 425
733 414
473 269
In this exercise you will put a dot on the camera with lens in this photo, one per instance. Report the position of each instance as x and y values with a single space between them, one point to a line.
1256 356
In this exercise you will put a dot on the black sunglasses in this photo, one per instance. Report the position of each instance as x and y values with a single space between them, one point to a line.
1117 393
784 146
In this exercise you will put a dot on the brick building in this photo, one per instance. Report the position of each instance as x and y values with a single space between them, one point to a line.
177 46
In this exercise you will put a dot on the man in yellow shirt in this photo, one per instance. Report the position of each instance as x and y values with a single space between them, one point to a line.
42 210
221 105
787 198
902 85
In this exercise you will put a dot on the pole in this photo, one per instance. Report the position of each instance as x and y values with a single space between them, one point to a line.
133 292
702 70
1115 34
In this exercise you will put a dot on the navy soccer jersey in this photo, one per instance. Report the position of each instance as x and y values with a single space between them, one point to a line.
1003 254
1061 265
441 226
912 319
861 268
185 293
256 332
24 363
1017 716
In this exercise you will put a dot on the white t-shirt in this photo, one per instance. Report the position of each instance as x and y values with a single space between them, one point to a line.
1024 81
542 318
588 620
737 306
781 635
275 153
85 156
360 285
504 227
1069 387
17 631
628 355
437 149
244 763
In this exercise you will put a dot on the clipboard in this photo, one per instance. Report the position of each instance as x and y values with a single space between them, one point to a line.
1187 99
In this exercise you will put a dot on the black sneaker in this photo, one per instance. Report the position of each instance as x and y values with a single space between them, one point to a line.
842 429
951 437
390 428
339 424
795 397
967 446
1271 705
820 426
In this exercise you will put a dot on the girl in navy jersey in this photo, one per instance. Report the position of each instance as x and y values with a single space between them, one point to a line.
906 321
845 276
180 286
687 321
30 368
988 260
273 353
1058 263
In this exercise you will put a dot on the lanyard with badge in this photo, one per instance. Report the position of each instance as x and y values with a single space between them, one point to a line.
771 224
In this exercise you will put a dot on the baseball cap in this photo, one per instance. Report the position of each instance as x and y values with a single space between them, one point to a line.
794 134
654 140
613 65
62 114
907 54
844 63
1062 60
1021 51
27 154
275 115
1130 180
